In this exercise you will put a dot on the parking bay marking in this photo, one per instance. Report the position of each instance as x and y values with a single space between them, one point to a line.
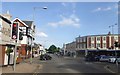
88 63
106 67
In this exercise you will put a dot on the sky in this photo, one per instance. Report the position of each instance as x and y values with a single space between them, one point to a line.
62 22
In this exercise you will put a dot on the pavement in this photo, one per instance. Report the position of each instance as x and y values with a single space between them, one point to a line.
23 67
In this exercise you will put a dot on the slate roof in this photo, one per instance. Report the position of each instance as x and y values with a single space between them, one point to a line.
29 23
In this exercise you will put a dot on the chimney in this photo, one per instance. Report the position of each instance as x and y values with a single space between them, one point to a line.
7 15
8 12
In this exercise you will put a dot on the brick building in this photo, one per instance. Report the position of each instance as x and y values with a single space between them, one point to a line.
93 42
5 37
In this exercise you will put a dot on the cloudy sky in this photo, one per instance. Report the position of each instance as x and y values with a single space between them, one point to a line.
62 22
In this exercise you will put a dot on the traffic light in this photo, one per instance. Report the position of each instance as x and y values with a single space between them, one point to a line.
14 30
20 36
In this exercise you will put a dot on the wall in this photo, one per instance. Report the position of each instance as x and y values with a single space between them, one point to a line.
25 40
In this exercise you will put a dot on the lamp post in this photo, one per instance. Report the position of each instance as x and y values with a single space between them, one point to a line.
64 49
112 26
115 47
34 8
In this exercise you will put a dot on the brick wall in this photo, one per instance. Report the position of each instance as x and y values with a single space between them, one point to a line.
2 55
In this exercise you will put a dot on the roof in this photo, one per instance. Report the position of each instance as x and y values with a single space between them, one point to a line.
102 35
5 19
29 23
98 35
20 21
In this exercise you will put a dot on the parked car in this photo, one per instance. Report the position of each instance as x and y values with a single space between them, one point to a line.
104 58
114 59
97 58
48 57
89 58
45 57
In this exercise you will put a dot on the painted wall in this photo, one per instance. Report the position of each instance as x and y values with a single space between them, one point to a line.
25 40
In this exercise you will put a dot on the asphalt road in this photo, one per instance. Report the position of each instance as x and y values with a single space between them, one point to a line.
71 65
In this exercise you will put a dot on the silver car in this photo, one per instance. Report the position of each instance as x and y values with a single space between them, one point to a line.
104 58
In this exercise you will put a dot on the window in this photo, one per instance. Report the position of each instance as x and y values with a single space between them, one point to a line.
98 45
98 38
78 46
92 45
77 39
84 39
116 38
23 29
104 38
104 45
92 38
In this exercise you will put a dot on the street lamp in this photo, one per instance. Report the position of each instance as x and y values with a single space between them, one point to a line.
115 47
34 8
64 49
112 26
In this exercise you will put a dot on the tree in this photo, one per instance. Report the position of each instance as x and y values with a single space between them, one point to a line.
8 51
58 48
53 49
46 49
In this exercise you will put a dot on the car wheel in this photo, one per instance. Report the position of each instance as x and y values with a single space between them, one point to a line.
109 61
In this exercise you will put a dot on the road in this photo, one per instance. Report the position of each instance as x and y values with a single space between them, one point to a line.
71 65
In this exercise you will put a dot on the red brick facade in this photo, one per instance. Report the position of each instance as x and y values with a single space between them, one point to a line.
89 42
95 42
101 44
100 41
2 54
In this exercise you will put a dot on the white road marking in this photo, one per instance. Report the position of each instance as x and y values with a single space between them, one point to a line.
106 67
88 63
72 71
